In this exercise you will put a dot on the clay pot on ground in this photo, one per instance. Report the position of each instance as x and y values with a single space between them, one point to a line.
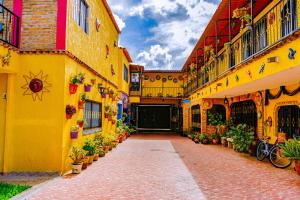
224 141
205 141
297 166
120 139
85 163
215 141
96 157
81 104
76 168
90 159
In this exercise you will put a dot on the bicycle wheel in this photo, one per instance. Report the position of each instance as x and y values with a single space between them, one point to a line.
277 159
260 151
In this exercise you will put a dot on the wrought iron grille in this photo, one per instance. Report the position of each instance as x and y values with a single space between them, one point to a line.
9 26
244 112
289 120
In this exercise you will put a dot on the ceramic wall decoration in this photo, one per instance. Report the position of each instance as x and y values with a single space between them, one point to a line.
157 77
152 79
36 85
175 80
146 78
164 80
170 78
98 24
262 68
292 53
180 78
6 59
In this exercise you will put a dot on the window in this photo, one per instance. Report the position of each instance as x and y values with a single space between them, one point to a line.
246 45
135 82
125 75
288 18
260 34
289 120
196 118
80 14
93 115
218 114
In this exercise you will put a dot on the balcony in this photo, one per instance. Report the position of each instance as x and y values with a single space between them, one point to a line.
278 22
162 92
9 27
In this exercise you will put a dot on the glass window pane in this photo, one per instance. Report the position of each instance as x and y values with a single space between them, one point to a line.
87 114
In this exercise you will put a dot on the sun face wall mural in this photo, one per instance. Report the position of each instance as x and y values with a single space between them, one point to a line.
36 85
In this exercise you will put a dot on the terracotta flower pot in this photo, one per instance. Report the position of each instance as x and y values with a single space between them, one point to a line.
73 88
68 116
205 141
87 88
215 141
85 163
76 168
103 95
74 135
113 121
297 166
110 147
81 124
81 104
110 95
90 159
106 115
120 139
96 157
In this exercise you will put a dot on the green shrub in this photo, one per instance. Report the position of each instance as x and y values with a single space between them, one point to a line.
242 136
90 147
291 149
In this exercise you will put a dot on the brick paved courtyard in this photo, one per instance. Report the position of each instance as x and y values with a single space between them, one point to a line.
153 166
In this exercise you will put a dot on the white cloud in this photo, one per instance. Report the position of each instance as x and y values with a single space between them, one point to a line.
120 22
178 23
156 58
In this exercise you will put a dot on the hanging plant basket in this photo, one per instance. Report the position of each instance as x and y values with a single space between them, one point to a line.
158 77
74 135
93 81
73 88
170 78
69 116
81 104
103 95
87 88
106 115
80 123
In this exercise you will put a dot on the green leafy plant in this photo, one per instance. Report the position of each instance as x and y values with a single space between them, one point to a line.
84 97
291 149
214 119
242 136
90 147
76 155
203 136
215 136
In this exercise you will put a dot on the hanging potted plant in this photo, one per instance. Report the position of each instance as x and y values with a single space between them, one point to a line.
106 110
111 92
82 101
87 87
93 81
113 121
291 150
74 132
76 155
90 148
70 111
110 115
243 15
81 78
101 89
73 85
80 123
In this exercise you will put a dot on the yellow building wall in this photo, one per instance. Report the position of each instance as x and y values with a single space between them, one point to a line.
72 68
154 87
3 87
123 86
91 47
33 134
271 110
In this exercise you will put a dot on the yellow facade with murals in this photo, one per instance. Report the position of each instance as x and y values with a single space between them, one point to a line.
34 130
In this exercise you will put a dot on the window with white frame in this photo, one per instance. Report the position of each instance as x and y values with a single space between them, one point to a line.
81 14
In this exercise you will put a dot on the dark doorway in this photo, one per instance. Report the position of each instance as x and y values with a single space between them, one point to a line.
244 112
196 118
288 120
154 117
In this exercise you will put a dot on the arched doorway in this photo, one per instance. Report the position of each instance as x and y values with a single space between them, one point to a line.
218 110
244 112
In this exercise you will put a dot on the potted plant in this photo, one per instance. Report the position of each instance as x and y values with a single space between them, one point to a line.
107 108
73 85
291 150
70 111
215 138
76 155
85 161
74 132
81 78
83 99
203 138
160 94
111 92
113 121
87 87
101 153
90 148
93 81
80 123
243 137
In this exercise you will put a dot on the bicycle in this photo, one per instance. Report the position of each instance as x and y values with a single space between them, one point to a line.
273 153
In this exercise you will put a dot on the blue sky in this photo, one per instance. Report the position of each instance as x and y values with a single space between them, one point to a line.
160 34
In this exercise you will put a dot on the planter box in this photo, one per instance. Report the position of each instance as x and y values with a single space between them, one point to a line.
76 168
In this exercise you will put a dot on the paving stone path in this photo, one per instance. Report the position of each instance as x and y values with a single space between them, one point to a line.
169 167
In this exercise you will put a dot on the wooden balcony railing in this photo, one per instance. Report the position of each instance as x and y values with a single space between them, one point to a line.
279 22
9 26
162 92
